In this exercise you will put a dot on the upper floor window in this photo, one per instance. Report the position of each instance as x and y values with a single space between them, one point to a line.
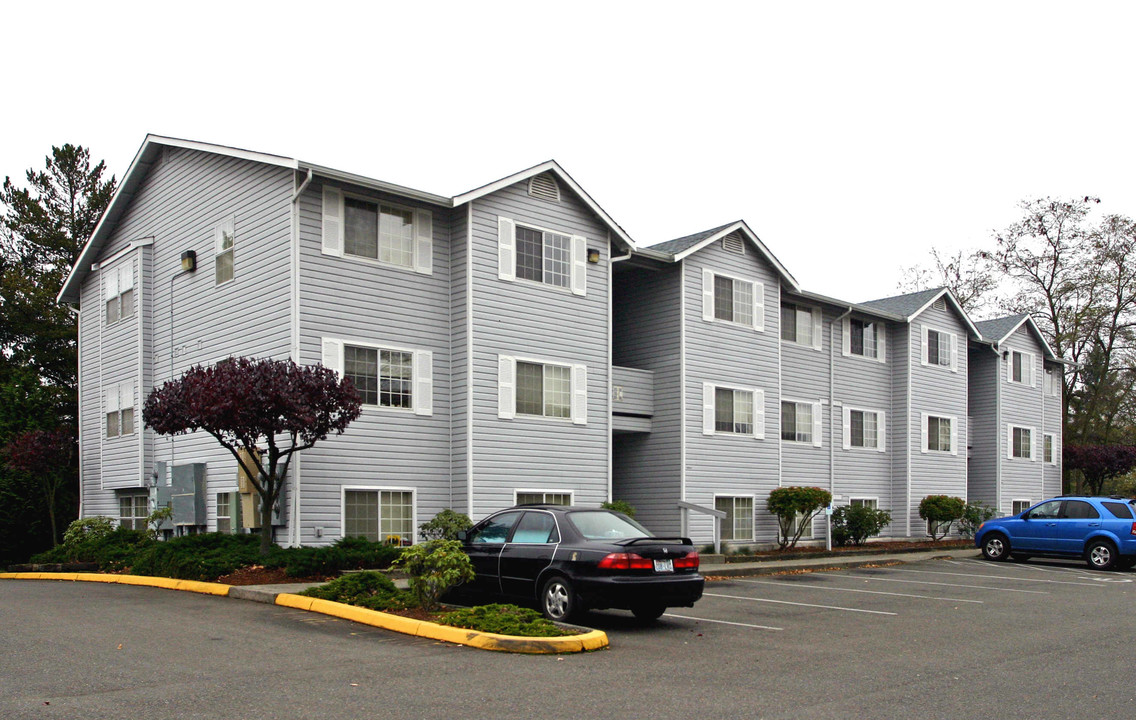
863 429
1052 383
118 292
940 348
864 339
739 411
800 422
1050 449
733 300
379 231
801 325
120 409
384 377
1021 442
553 390
939 434
539 255
1021 368
224 236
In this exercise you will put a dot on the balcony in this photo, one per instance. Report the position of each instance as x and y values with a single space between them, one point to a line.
632 399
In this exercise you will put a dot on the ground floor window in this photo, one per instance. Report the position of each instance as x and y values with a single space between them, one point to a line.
807 532
872 503
1020 506
738 523
225 513
132 510
379 515
527 497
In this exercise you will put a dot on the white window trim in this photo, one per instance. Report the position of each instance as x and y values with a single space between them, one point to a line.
422 372
1028 505
1054 447
507 257
114 397
752 519
1053 383
710 407
881 341
817 340
229 225
758 300
116 281
335 229
507 390
953 351
1029 368
543 491
865 499
1010 427
818 422
881 429
954 433
378 489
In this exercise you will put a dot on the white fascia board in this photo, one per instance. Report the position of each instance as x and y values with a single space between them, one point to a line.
553 167
1028 320
854 307
754 240
277 160
379 185
958 308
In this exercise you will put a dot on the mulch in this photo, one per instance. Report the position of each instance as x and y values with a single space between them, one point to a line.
260 575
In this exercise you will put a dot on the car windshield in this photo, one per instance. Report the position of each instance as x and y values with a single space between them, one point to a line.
602 525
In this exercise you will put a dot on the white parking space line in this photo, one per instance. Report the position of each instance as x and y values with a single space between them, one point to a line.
1037 568
722 622
798 604
953 585
854 590
997 577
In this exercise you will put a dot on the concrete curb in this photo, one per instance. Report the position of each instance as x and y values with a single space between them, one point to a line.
591 640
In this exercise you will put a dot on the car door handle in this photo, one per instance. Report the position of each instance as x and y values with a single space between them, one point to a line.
1094 524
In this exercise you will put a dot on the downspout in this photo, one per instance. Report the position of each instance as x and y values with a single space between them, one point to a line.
684 523
79 390
832 422
294 524
998 435
469 415
907 433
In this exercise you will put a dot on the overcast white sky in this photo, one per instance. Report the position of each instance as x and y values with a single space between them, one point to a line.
852 136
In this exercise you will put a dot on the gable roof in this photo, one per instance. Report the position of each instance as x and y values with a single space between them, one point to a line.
681 248
151 149
997 330
909 305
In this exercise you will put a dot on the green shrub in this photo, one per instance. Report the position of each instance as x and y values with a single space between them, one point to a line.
361 553
973 515
88 530
620 506
856 523
112 551
445 526
367 589
795 507
503 620
940 512
310 561
198 557
434 568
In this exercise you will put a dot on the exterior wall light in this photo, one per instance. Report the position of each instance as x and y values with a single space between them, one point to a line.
593 256
189 261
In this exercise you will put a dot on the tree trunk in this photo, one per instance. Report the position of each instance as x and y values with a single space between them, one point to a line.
265 521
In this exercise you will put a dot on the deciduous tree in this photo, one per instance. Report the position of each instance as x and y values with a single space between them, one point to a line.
1099 463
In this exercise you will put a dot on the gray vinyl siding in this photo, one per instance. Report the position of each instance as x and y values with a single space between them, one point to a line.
647 330
92 429
1023 406
538 322
901 441
985 440
726 354
1054 423
176 207
938 391
353 299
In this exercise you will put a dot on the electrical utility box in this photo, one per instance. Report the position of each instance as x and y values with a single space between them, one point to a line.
187 494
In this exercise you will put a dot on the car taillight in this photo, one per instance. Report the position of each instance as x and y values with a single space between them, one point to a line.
625 561
690 562
1133 530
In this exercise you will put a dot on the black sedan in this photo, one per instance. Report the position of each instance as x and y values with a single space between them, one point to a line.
571 559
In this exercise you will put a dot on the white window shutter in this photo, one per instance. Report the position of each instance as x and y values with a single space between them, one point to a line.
759 414
579 265
707 409
954 359
332 355
759 306
818 425
924 350
110 284
423 382
1009 442
847 423
708 295
580 394
423 242
112 399
954 436
506 387
818 328
881 342
846 337
881 431
923 425
1033 444
1036 374
332 222
1009 360
506 249
126 276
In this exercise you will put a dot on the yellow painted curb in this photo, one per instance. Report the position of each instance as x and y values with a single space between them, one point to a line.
593 640
196 586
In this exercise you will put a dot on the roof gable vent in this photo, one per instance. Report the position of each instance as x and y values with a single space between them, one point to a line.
544 186
940 304
734 243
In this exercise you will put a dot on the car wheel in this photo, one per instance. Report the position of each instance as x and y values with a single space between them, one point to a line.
557 599
1101 555
996 547
648 611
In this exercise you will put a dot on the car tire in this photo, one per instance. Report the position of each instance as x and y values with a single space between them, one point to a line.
996 546
558 599
1101 555
648 612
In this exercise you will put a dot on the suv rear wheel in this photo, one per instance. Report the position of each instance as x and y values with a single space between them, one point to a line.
557 599
1101 555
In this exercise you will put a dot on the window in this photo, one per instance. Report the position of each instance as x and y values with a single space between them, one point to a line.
536 528
530 497
224 236
225 513
382 377
1021 368
1021 442
863 429
533 388
543 256
378 231
733 300
807 532
118 292
1020 506
938 435
872 503
800 325
379 515
799 421
1121 510
862 338
733 411
1052 383
738 523
120 409
1050 448
939 348
133 508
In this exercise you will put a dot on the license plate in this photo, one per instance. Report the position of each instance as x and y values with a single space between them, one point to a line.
664 565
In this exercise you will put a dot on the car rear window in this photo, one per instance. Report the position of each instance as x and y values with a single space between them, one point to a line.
602 525
1119 509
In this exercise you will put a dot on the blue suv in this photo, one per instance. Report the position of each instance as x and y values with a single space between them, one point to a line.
1100 530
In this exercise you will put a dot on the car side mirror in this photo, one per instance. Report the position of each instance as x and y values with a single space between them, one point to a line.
1025 515
462 535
